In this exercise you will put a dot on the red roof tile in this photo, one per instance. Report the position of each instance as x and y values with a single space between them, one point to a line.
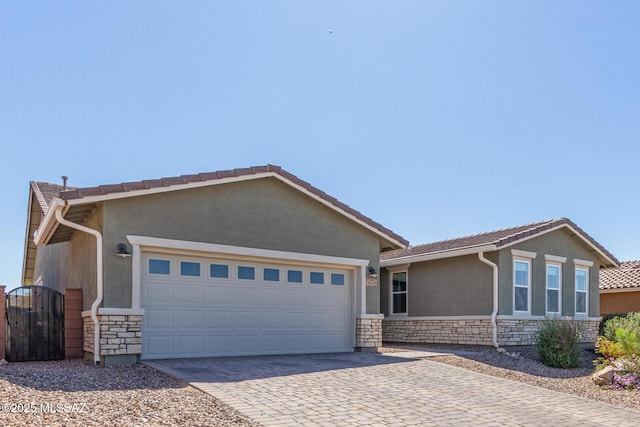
499 238
627 276
103 190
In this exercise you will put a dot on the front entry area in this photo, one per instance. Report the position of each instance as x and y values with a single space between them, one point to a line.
227 305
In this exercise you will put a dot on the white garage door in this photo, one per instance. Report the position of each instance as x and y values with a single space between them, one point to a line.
197 307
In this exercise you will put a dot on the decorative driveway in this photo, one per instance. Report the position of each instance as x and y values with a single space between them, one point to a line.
369 389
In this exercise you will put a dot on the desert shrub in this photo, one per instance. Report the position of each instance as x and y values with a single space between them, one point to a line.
557 342
609 350
629 341
629 322
606 318
627 373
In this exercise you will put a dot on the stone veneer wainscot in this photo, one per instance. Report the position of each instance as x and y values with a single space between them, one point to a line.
119 334
473 331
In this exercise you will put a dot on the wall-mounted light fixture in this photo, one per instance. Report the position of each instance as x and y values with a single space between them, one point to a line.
372 272
123 251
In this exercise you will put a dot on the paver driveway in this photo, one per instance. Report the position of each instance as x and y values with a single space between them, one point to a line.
366 389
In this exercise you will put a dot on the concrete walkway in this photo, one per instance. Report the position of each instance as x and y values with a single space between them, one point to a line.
368 389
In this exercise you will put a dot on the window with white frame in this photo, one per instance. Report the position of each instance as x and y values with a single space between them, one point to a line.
554 285
582 289
399 292
521 281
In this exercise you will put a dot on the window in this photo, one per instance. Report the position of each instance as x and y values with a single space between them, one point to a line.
246 273
316 278
553 288
294 276
582 290
337 279
219 271
189 268
271 275
159 266
521 279
399 292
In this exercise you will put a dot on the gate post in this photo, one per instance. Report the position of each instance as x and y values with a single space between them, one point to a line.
3 322
73 323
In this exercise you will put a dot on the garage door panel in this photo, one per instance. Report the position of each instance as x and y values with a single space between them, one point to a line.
190 294
158 318
190 319
216 294
159 293
219 319
272 320
221 315
190 345
246 319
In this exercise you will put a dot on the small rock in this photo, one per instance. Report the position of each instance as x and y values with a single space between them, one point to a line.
501 350
603 376
3 362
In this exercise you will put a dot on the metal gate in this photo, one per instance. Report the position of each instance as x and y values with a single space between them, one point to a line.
34 322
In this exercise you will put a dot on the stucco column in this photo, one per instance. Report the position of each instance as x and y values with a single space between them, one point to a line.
73 323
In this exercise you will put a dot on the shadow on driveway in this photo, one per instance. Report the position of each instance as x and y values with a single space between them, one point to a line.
245 368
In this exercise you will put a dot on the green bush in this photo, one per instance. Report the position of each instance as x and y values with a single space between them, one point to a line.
557 342
629 322
605 319
629 342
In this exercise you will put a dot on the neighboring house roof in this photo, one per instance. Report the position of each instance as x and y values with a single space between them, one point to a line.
627 276
490 241
76 198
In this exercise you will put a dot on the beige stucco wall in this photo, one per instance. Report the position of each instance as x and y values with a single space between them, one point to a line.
445 287
260 213
560 243
53 266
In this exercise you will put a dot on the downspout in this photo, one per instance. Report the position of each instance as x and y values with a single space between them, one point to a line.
98 301
494 313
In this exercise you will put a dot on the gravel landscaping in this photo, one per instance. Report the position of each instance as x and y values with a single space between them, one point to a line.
74 392
527 369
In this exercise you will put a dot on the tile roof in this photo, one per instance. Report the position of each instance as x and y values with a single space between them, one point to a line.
498 238
627 276
45 192
104 190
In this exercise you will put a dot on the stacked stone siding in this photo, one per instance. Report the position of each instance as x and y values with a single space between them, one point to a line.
121 334
368 332
438 331
472 331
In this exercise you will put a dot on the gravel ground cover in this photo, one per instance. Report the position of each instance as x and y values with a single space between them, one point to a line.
527 369
76 393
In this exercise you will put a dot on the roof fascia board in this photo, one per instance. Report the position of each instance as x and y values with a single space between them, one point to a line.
577 233
437 255
176 187
619 290
26 236
162 244
157 190
49 224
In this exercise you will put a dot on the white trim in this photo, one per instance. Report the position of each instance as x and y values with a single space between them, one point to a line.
396 267
154 244
470 317
406 294
582 262
555 258
523 254
221 181
532 317
136 268
112 311
438 255
370 316
557 265
528 287
586 291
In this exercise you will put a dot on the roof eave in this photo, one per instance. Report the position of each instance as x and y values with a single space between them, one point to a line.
49 223
450 253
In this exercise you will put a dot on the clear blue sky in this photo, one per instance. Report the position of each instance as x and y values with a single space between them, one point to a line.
437 119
